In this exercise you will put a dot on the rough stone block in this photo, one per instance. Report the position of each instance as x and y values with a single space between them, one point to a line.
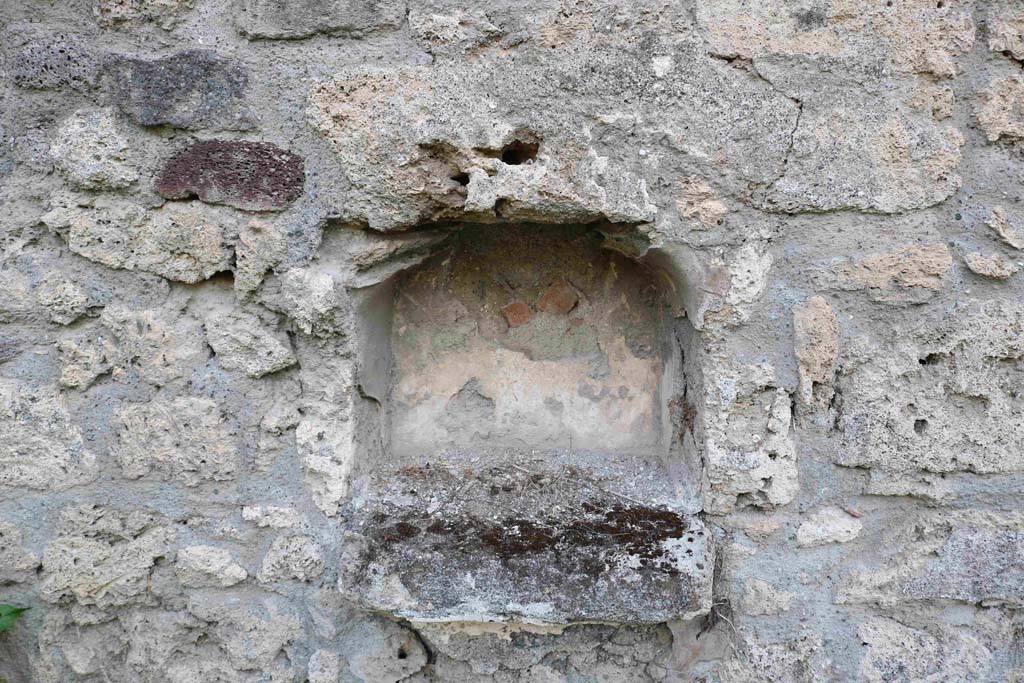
194 89
1000 106
592 558
995 266
242 342
970 557
104 557
42 448
92 152
828 525
184 439
957 409
203 566
749 455
303 18
63 298
186 242
164 13
17 565
895 651
43 60
292 558
255 176
816 345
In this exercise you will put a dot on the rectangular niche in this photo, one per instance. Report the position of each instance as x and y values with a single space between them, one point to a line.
526 463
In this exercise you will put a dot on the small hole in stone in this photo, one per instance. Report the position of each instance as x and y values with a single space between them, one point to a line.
516 153
920 426
461 178
402 654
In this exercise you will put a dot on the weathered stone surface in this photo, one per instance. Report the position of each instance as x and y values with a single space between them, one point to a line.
203 566
17 565
104 557
194 89
896 651
995 266
271 516
748 449
292 558
1006 29
698 203
909 274
816 345
828 525
519 168
324 667
384 651
163 13
42 60
261 422
999 111
63 299
271 19
84 358
970 557
1008 226
186 439
914 36
185 242
42 448
159 344
255 176
800 660
590 558
92 152
242 342
957 409
261 247
251 631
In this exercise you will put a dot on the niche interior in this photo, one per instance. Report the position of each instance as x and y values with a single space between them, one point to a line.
527 462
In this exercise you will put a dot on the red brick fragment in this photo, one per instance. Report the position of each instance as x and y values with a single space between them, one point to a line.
517 313
559 298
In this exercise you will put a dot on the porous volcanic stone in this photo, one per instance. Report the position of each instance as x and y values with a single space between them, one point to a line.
255 176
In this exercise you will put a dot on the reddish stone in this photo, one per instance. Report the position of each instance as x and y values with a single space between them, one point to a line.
254 176
559 298
517 313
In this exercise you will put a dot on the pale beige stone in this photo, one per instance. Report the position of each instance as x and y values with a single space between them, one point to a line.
186 439
816 344
292 558
241 342
1000 109
828 525
203 566
995 266
903 275
1009 227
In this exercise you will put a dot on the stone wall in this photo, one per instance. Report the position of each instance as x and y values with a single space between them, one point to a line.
782 316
